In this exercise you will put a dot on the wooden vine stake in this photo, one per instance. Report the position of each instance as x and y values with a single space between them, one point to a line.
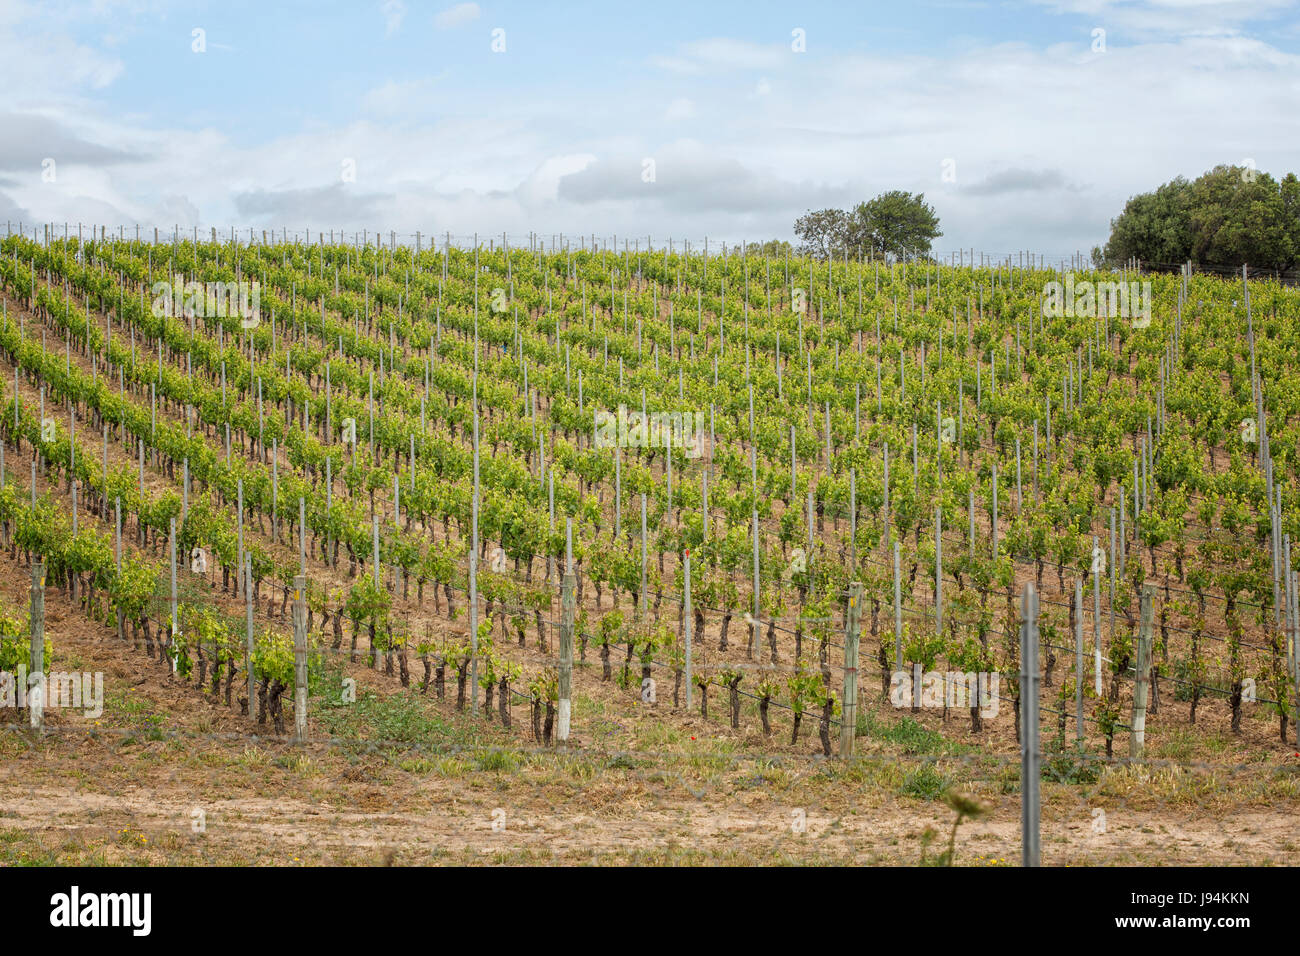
36 675
248 631
568 612
176 627
1029 730
852 631
300 659
1141 685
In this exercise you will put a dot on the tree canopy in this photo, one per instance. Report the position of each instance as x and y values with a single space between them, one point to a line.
1230 216
895 223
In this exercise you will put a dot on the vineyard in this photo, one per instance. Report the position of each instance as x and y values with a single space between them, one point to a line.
598 496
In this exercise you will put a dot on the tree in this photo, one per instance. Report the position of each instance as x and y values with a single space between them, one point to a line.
822 232
1154 226
895 223
1227 217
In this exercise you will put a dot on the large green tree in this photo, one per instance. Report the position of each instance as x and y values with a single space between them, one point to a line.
822 232
1227 217
895 223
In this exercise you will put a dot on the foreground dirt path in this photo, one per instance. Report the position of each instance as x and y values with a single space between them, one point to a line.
167 826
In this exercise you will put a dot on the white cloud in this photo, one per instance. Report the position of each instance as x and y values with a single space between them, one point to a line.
394 12
456 16
543 185
27 78
1145 19
1021 181
679 109
723 54
31 137
692 177
401 98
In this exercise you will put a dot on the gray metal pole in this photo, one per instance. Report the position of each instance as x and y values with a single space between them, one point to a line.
1078 661
567 616
1096 621
275 490
885 537
300 659
938 570
176 624
758 609
36 675
1020 495
686 621
898 610
852 629
1029 748
248 631
995 511
239 526
853 519
644 584
1141 684
970 512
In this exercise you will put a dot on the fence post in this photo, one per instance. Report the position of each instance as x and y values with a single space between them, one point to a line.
117 556
1078 661
275 489
1288 632
754 651
970 513
239 533
644 596
36 675
568 610
1295 650
299 659
793 466
898 610
938 571
686 622
171 540
853 518
1137 741
884 538
1029 753
248 631
1020 494
995 511
852 630
704 509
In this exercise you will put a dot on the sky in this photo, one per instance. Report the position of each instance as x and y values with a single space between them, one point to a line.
1027 124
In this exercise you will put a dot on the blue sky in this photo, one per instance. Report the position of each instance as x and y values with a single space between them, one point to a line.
1021 129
